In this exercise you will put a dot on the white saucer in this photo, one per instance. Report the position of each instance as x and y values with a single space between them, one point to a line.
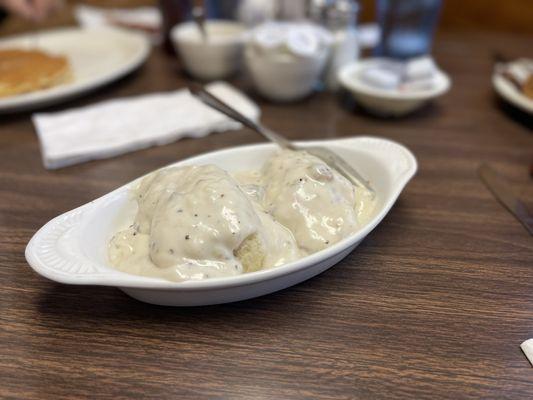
388 102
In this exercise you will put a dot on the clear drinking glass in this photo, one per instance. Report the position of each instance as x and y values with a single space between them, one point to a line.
407 27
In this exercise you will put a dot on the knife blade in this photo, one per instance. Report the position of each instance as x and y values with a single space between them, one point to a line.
503 192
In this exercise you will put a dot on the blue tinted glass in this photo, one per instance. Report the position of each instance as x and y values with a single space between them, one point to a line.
407 27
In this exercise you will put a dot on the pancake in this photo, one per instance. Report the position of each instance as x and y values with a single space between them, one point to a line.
23 71
527 87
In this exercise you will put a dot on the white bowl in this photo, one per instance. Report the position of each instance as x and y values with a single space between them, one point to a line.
72 248
284 77
217 57
388 102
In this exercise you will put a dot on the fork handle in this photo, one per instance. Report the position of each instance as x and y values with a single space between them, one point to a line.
214 102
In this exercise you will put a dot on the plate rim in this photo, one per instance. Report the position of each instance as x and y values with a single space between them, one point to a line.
61 93
506 91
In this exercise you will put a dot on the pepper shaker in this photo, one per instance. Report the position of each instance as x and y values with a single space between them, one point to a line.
339 17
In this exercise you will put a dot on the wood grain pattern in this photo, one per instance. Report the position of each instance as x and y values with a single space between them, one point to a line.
433 304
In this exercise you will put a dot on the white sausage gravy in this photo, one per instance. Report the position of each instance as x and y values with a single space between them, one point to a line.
199 222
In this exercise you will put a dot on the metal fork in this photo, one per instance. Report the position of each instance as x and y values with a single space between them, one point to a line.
326 155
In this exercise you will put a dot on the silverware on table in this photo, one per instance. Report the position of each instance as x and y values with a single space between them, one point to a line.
505 195
198 15
326 155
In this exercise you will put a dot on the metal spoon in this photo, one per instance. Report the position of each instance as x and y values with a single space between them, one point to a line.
198 14
326 155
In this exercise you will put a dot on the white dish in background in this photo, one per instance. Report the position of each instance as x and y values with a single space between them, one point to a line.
388 102
97 56
285 59
284 80
510 93
215 58
72 248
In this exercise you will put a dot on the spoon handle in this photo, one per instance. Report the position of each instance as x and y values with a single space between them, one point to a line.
198 14
214 102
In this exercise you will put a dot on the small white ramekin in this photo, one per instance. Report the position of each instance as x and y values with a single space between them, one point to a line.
285 77
385 102
215 58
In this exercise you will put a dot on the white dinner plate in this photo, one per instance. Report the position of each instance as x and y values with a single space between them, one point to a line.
510 93
97 56
72 248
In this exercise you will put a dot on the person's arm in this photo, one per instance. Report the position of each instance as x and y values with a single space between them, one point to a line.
36 10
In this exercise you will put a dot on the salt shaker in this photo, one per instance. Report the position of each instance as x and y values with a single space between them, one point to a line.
339 17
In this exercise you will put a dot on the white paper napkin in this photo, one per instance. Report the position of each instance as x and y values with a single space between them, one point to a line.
119 126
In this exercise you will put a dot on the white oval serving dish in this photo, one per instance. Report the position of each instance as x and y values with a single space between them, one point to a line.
72 248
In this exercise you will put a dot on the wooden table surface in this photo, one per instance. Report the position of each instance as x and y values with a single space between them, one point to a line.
433 304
